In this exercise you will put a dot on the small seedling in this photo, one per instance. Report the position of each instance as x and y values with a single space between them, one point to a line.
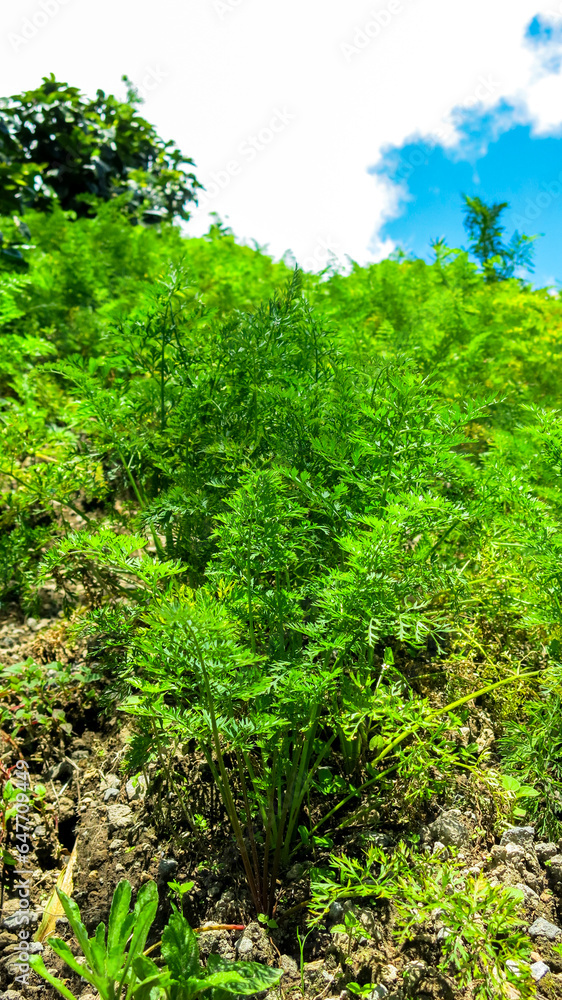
354 929
302 942
517 791
180 889
360 991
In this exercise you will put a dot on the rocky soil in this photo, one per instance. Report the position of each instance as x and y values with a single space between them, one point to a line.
115 826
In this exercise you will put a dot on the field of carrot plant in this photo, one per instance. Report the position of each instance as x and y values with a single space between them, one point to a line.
280 620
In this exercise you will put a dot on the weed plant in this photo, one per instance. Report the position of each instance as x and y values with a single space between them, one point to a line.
116 963
480 927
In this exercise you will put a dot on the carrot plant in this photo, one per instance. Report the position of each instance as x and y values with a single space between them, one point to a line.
294 509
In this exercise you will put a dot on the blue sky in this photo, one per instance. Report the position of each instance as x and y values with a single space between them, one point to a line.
516 167
496 156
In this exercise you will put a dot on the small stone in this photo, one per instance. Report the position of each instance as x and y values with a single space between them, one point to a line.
538 970
119 817
450 830
167 868
111 781
116 844
379 991
389 974
136 787
32 623
513 967
110 793
514 853
245 947
40 831
498 855
288 965
336 912
522 836
295 872
543 928
61 771
80 754
546 851
255 943
6 939
119 868
531 897
415 970
485 738
439 848
379 839
554 866
532 882
20 919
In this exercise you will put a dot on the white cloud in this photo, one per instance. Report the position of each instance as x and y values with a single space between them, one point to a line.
216 73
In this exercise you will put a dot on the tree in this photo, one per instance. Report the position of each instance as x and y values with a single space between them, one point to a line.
58 146
486 234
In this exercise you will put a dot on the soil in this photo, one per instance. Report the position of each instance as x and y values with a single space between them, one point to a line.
116 830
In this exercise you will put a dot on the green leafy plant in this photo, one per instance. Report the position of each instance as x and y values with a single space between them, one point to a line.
179 890
275 756
480 926
30 696
77 148
305 521
185 977
485 232
530 749
516 792
359 991
8 810
109 956
116 965
374 877
301 942
353 928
